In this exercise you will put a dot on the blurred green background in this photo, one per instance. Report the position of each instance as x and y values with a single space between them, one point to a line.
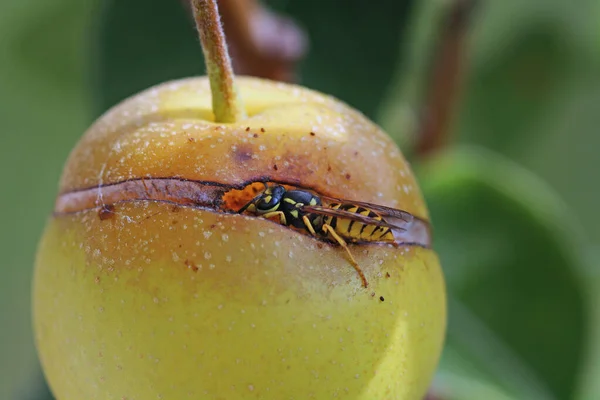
513 197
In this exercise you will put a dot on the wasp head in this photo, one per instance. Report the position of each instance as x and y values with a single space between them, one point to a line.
266 202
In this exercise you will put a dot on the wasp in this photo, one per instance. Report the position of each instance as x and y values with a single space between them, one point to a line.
338 221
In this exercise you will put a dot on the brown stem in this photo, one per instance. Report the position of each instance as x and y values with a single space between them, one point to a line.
445 78
227 105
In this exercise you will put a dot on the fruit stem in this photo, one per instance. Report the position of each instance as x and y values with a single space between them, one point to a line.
226 102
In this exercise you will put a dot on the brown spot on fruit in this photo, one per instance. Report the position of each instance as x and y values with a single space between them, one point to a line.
107 211
312 134
348 176
247 129
255 135
191 140
191 265
262 130
387 275
275 167
242 154
381 298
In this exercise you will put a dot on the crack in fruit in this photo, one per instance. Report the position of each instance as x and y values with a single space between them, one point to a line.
219 197
171 190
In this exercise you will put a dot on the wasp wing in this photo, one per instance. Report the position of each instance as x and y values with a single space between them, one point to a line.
405 227
333 212
383 211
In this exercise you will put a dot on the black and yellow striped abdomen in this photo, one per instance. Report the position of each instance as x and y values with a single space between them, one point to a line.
356 231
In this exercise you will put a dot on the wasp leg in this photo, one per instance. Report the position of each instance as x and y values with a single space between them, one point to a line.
279 214
341 242
309 225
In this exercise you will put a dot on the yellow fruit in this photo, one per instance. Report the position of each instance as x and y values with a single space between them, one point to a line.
137 297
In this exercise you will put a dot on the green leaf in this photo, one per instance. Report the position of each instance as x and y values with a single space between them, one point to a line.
511 255
526 57
589 384
533 91
458 379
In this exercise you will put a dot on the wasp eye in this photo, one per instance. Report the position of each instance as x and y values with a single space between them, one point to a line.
266 203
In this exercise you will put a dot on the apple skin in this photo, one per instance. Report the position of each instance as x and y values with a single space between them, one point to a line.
161 301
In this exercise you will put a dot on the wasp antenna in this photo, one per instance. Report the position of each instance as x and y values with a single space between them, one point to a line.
248 204
241 210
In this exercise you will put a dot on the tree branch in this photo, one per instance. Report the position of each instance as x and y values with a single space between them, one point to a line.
445 80
418 109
